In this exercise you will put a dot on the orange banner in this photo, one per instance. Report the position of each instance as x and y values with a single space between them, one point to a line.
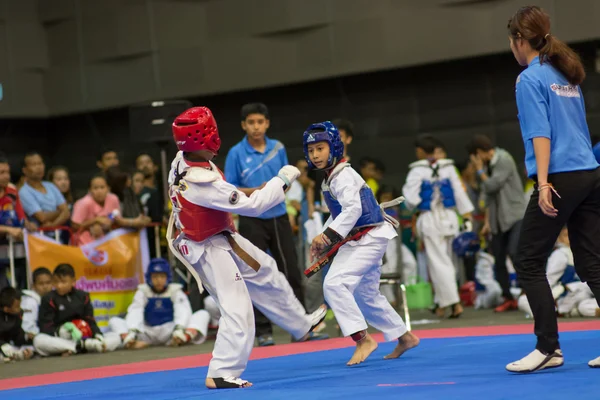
110 269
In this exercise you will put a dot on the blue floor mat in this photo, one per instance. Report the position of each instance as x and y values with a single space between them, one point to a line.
455 368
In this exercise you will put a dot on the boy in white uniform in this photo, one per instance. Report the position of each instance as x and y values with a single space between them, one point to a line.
351 286
573 297
233 270
434 188
160 313
31 300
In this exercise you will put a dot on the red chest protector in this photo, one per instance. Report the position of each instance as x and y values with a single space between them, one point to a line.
200 223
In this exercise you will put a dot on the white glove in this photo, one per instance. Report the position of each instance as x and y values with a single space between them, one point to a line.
288 174
131 335
8 350
99 337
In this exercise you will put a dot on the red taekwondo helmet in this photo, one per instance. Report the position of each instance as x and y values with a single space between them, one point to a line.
196 129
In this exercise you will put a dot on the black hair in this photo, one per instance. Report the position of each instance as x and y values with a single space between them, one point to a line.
595 139
3 158
116 178
30 154
99 175
428 143
39 272
63 270
344 125
105 150
364 161
480 142
387 189
8 295
254 108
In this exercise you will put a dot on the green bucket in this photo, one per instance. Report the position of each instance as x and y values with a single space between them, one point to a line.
419 295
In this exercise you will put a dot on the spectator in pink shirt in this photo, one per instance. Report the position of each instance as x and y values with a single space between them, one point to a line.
94 213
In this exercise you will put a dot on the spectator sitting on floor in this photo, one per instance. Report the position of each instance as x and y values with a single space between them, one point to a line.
41 200
107 158
161 313
31 300
15 344
66 320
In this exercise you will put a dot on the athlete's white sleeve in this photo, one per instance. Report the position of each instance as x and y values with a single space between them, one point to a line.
177 160
182 309
463 203
412 188
135 311
30 309
346 189
223 196
556 266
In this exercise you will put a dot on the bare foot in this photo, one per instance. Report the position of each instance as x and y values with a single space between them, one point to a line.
405 343
364 348
67 353
210 383
457 309
138 345
440 312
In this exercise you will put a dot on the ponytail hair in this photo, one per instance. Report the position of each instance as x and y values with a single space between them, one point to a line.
531 23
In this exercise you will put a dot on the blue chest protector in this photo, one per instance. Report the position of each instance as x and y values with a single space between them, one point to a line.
569 276
158 311
371 212
446 193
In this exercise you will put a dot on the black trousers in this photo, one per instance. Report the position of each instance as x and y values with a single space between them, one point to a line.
579 209
275 235
503 244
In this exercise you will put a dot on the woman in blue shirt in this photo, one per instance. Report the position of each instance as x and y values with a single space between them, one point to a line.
559 158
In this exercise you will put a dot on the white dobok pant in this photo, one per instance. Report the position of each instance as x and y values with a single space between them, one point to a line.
161 334
48 345
351 289
235 286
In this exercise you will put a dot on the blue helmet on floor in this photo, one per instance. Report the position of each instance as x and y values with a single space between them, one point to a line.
324 132
158 265
466 243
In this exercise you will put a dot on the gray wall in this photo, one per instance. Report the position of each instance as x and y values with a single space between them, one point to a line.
452 100
61 57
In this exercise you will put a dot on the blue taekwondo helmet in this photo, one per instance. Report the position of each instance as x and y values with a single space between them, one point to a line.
324 132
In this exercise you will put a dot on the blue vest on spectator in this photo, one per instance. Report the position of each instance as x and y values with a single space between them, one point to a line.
569 276
446 193
9 218
158 311
371 212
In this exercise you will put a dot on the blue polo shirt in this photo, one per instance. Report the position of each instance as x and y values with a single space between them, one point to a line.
596 150
550 107
246 167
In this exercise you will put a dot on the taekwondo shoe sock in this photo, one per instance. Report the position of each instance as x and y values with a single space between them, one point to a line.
536 361
595 363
